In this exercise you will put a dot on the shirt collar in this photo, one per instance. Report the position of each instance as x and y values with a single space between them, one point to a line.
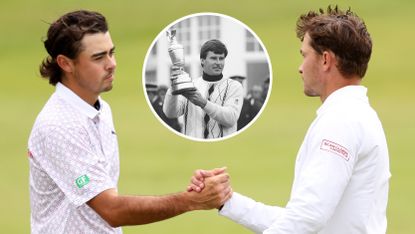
77 102
211 78
350 92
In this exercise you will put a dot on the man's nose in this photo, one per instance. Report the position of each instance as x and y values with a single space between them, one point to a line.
112 63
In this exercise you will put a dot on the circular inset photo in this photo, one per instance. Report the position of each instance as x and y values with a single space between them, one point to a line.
207 76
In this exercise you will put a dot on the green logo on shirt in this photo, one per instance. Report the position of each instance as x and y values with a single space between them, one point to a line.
82 181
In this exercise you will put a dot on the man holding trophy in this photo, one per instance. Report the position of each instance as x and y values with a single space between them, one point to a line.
210 104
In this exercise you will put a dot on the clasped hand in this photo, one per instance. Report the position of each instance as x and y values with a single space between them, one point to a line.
195 97
211 187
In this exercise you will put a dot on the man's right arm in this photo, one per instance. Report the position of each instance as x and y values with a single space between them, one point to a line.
253 215
120 210
173 105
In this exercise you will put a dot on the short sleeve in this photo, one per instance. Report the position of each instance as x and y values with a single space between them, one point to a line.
71 159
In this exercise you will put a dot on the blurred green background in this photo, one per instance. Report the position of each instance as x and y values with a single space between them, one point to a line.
156 161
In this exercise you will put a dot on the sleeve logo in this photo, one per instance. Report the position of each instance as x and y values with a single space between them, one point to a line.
82 181
335 148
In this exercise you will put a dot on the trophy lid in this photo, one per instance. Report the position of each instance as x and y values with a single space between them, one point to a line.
171 35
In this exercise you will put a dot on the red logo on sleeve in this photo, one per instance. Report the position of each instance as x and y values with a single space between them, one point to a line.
335 148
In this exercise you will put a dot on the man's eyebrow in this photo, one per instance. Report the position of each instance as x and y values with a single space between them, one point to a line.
103 53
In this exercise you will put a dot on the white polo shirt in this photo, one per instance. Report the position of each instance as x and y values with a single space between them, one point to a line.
73 156
341 175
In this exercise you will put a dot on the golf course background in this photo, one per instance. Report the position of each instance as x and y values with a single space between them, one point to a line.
156 161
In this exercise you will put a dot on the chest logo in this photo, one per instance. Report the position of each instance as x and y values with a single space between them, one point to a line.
335 148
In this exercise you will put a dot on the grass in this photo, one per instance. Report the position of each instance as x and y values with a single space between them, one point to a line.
156 161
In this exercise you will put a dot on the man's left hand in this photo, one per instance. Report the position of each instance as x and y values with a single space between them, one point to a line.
197 181
195 97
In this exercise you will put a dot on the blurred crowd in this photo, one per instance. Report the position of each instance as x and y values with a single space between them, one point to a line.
156 95
253 102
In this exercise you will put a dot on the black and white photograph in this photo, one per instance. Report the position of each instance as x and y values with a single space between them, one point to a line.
207 77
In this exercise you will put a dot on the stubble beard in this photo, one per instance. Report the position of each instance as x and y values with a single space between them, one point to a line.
109 87
309 92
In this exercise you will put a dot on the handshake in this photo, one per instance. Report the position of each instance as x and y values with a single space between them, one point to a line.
209 189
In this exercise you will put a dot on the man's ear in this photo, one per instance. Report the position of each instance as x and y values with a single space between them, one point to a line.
202 62
328 60
65 63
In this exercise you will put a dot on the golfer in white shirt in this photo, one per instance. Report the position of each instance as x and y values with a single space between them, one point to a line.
342 173
73 148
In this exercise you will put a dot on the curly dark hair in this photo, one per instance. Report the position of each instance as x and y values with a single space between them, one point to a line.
341 32
64 37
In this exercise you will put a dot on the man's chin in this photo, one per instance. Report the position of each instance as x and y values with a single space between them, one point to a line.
309 93
107 88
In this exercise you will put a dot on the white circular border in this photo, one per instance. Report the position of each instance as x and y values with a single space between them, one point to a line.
269 68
